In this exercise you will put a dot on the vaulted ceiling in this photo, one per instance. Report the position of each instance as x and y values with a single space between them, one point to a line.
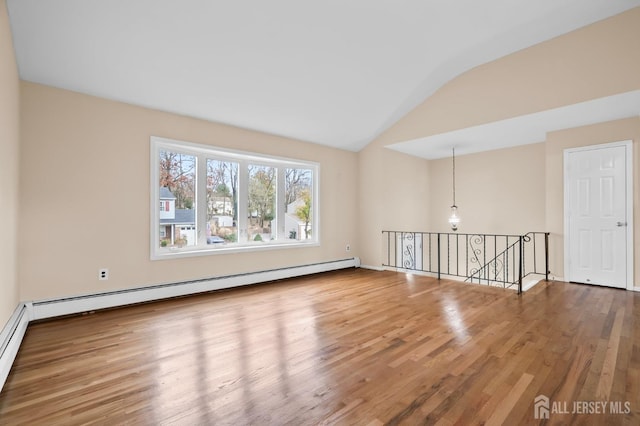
331 72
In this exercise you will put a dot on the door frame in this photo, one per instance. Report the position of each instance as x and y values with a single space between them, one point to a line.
627 144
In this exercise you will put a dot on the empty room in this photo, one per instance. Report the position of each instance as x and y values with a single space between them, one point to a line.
362 212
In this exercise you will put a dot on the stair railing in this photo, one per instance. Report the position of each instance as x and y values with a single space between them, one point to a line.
490 259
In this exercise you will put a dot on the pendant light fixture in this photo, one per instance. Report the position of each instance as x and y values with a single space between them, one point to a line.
454 219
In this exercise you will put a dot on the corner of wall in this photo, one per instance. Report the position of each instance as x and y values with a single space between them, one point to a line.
9 163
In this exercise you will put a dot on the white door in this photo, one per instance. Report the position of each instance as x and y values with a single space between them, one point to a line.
596 213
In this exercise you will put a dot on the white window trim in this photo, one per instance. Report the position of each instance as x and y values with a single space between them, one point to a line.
243 158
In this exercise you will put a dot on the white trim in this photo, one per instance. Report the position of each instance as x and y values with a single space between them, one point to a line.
73 305
628 145
243 189
419 272
373 268
630 245
241 248
279 216
201 153
528 284
229 154
11 338
154 196
201 207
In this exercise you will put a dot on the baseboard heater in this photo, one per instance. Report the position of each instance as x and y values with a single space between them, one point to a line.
15 329
11 338
73 305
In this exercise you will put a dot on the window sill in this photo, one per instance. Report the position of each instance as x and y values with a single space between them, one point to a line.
176 253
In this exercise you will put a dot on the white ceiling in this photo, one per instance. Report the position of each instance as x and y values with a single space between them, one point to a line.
332 72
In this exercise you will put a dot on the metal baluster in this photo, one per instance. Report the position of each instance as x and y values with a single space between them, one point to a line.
495 262
524 253
430 267
389 245
457 256
448 255
521 266
438 255
484 254
546 256
466 244
415 252
513 256
535 259
504 258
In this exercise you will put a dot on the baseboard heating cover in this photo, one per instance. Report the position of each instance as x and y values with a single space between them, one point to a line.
11 338
77 304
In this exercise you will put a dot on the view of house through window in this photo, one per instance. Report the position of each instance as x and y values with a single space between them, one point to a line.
262 203
208 199
177 199
222 201
298 203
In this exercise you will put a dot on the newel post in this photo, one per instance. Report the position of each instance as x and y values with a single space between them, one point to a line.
520 264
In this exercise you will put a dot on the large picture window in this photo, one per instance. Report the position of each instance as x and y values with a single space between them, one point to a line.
210 200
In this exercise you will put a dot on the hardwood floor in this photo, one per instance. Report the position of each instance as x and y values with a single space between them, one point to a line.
348 347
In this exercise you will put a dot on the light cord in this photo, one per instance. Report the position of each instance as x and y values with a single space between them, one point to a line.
454 176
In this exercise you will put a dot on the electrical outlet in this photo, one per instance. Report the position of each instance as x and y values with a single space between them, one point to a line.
348 248
103 274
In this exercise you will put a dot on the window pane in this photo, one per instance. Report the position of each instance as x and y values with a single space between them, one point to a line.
222 202
298 204
177 200
247 200
261 203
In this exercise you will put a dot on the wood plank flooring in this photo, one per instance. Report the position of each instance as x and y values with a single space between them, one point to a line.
347 347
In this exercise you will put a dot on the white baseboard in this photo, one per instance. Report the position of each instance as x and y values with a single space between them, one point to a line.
73 305
11 338
529 283
373 268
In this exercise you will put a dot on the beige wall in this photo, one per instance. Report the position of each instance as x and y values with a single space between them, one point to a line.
595 61
9 142
498 191
85 183
393 196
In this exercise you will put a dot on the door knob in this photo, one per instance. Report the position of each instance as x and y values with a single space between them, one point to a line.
621 224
